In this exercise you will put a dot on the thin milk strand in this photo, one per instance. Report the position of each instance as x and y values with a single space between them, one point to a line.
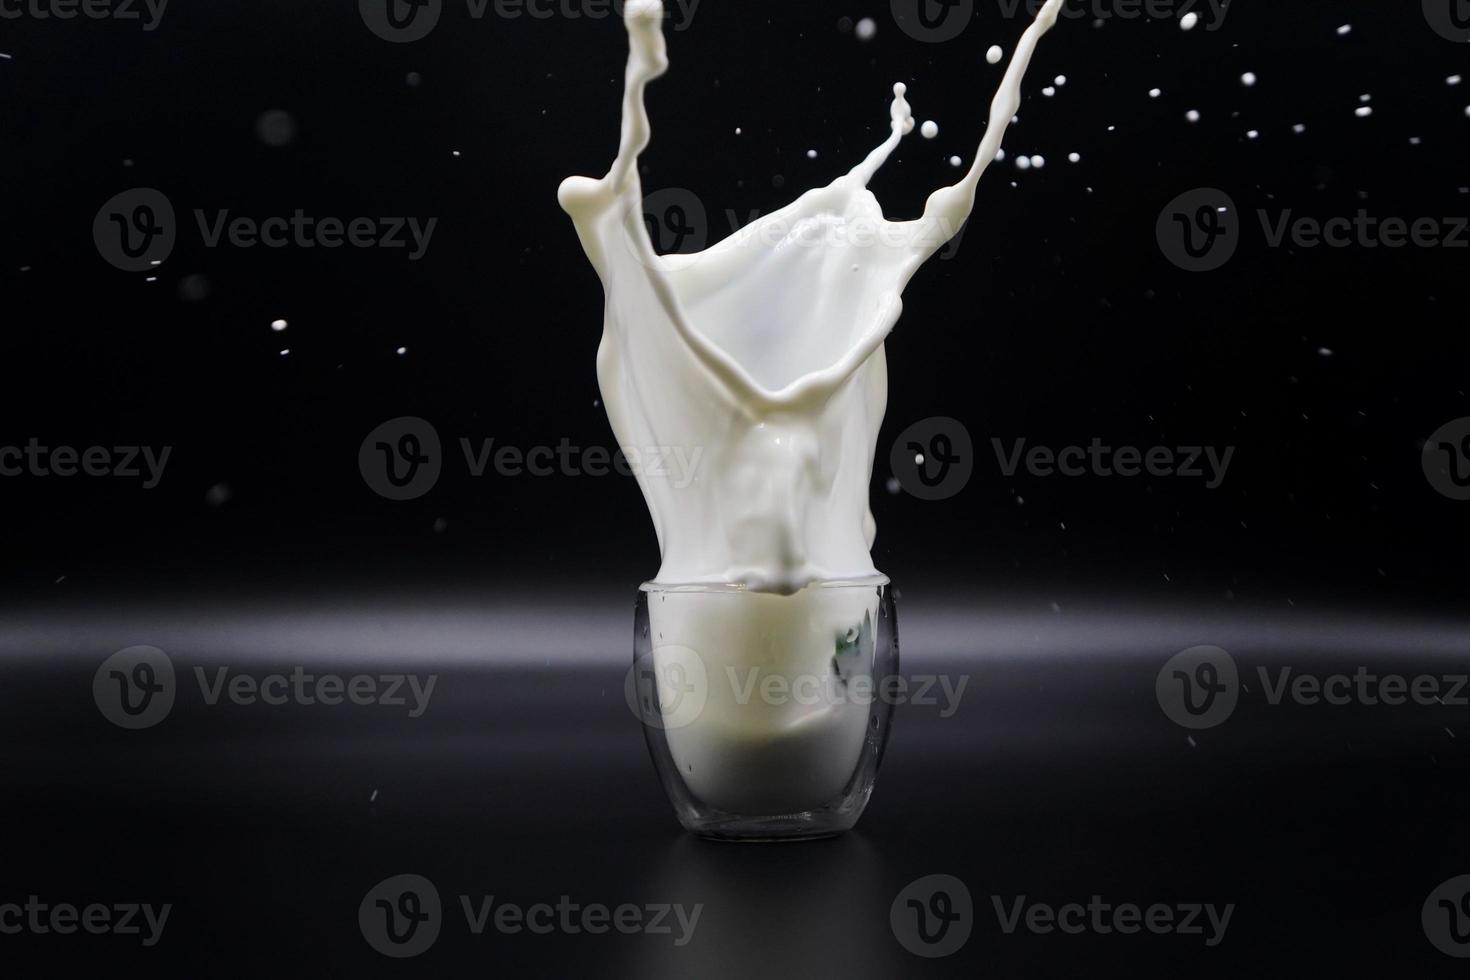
757 365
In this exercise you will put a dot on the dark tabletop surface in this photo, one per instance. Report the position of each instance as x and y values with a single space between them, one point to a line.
1058 777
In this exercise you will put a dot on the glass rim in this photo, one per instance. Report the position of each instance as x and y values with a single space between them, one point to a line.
877 580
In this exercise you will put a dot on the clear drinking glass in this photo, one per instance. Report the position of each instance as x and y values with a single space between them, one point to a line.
766 715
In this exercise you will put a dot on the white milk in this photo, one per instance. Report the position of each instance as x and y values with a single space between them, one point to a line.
765 351
764 356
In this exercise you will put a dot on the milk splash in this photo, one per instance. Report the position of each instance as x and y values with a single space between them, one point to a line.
765 350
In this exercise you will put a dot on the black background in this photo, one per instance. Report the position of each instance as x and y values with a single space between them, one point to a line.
1058 320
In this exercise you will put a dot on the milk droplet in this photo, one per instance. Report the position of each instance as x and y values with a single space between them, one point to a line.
737 130
1363 111
1248 79
1366 97
1059 81
1000 154
1074 157
1299 128
1192 115
1187 22
955 161
1023 163
811 154
285 352
1452 80
1038 161
1154 93
401 351
993 56
1048 91
1344 30
929 130
279 325
866 28
1251 134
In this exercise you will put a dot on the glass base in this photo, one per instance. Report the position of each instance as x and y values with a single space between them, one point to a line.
765 714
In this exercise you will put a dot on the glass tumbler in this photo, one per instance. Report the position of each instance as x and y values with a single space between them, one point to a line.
766 715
